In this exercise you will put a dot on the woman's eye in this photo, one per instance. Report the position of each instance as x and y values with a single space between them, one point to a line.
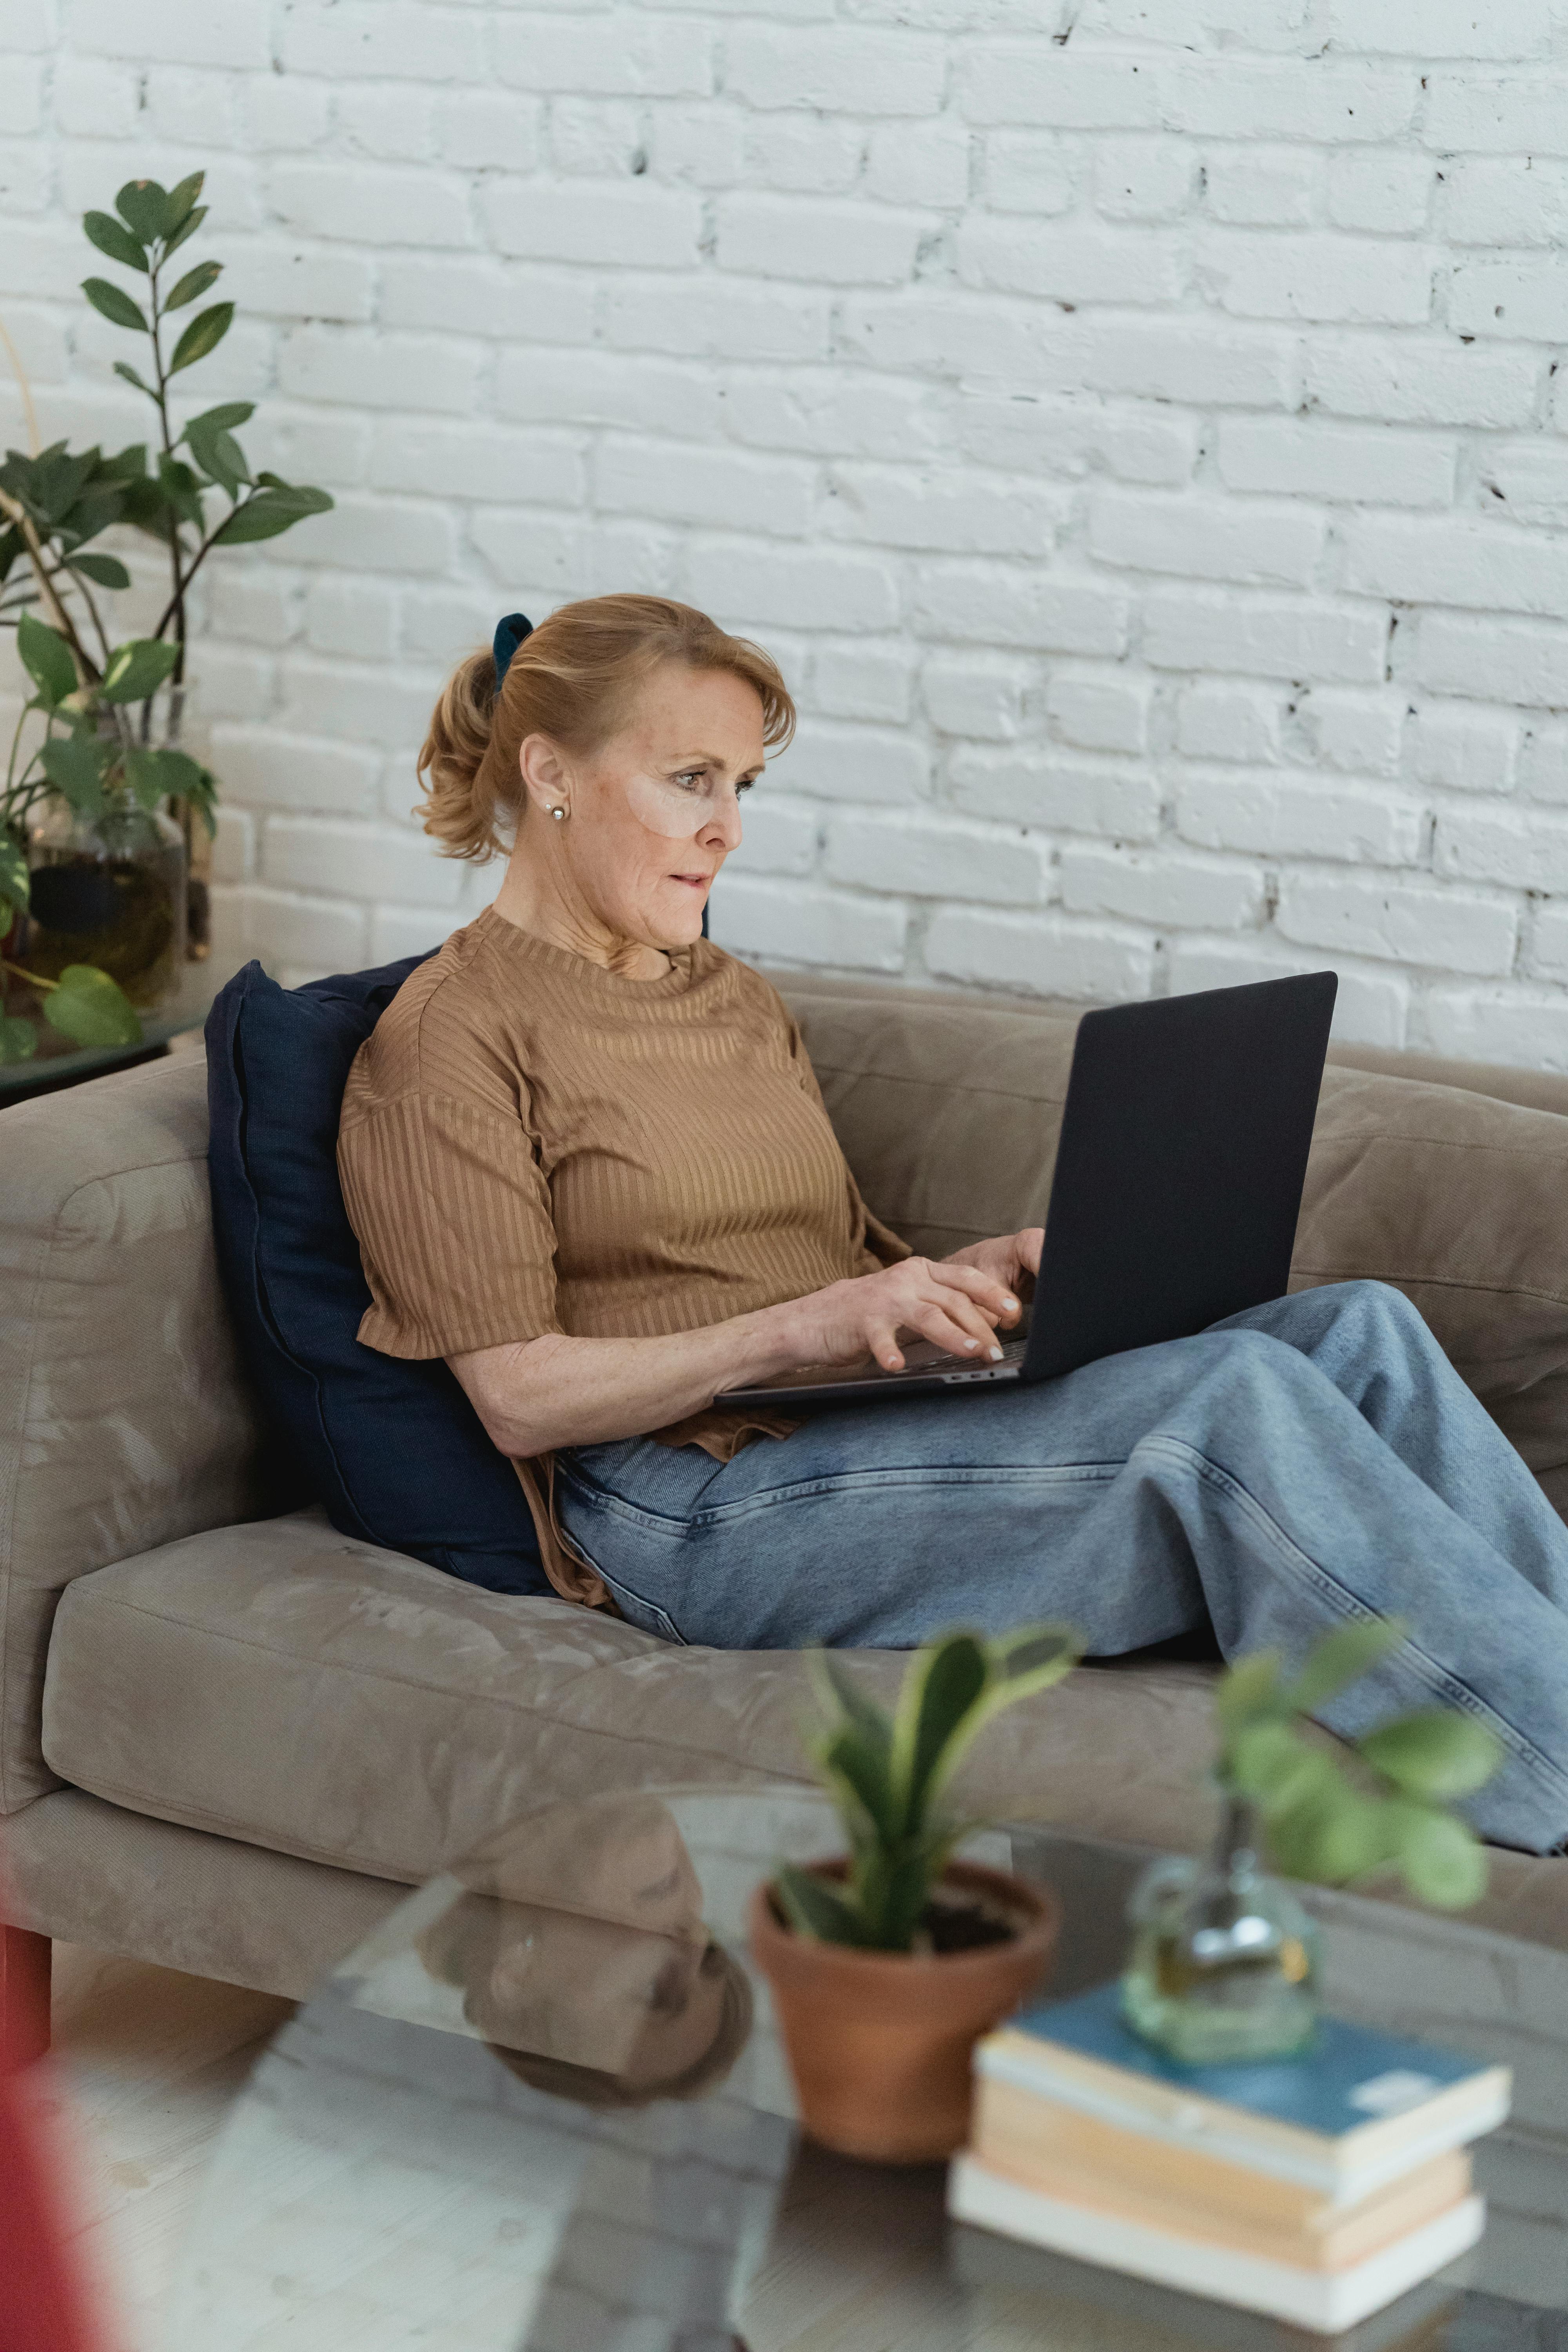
692 779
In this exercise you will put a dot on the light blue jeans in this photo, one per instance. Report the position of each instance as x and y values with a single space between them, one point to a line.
1305 1463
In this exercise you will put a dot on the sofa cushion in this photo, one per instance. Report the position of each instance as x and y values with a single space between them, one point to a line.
948 1114
285 1685
393 1449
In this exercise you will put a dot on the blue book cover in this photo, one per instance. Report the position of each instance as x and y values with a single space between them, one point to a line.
1349 2077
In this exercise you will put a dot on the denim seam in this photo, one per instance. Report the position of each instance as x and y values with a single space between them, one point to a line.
1445 1684
604 1499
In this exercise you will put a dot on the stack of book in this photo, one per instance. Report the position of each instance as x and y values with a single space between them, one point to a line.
1316 2189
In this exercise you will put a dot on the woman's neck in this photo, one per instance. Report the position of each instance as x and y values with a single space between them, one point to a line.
536 903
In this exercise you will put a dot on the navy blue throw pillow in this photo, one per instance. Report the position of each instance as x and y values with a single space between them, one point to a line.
394 1451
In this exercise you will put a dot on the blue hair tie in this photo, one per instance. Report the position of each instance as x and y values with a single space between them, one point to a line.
509 634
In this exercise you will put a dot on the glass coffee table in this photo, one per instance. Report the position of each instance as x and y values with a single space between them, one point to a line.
544 2107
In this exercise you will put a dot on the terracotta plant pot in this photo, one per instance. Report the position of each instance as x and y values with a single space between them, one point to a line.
879 2043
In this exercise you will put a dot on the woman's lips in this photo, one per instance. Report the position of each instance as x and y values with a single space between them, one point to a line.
693 881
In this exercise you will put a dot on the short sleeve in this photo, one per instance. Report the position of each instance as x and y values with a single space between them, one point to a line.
453 1218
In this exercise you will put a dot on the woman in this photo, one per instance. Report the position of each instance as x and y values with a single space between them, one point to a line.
588 1164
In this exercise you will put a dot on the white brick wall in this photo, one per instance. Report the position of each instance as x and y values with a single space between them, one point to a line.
1134 428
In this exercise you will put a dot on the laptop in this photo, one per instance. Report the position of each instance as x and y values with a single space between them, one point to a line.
1174 1203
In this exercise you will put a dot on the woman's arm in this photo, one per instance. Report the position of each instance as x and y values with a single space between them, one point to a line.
536 1395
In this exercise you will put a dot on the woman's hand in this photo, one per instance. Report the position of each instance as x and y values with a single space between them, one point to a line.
1007 1259
955 1305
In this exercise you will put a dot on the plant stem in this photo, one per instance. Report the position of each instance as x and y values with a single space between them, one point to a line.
20 972
201 553
87 667
174 611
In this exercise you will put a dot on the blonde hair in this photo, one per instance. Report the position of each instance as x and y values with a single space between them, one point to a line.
573 680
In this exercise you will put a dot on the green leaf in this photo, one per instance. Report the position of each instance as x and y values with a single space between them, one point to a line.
147 505
107 570
220 458
112 237
116 307
137 670
18 1039
1271 1763
224 417
839 1691
187 227
814 1909
143 206
1440 1859
90 1009
270 511
131 376
181 199
1246 1689
12 870
155 776
1434 1753
854 1764
181 489
1340 1659
1336 1836
47 658
940 1685
204 334
75 765
129 465
195 281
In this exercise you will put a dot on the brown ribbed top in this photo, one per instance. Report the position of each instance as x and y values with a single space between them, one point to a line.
530 1144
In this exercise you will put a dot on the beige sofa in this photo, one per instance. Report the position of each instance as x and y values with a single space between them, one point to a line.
228 1739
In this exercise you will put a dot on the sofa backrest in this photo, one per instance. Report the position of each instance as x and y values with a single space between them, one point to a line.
124 1421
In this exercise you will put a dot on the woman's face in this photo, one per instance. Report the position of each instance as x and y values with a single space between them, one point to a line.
654 813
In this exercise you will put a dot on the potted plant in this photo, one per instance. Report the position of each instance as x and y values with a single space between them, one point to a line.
87 851
1225 1963
888 1964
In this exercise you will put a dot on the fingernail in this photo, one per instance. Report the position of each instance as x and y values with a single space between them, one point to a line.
1011 1304
971 1343
995 1355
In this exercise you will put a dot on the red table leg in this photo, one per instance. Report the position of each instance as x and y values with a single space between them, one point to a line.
23 1994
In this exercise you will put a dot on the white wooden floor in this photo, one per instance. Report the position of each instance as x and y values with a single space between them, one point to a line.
145 2064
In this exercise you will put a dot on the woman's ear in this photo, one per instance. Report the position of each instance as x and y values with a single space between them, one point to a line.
543 771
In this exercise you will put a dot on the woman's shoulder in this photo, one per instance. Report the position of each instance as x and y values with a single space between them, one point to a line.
441 1034
742 983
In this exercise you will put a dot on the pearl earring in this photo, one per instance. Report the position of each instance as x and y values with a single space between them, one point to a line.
558 814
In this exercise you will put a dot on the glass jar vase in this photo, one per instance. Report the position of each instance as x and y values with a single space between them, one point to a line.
108 891
1225 1961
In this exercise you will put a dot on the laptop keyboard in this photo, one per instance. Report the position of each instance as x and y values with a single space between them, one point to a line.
924 1356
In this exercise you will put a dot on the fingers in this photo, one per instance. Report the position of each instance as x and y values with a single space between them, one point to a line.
991 1296
960 1339
960 1316
1029 1244
884 1346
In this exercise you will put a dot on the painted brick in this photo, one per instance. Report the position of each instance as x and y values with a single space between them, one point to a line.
1543 762
1073 437
863 681
1038 955
358 617
1222 719
783 922
1140 179
376 371
919 164
1385 189
933 857
1275 187
1521 846
655 57
1030 83
963 513
1523 298
94 98
1050 612
273 770
390 37
1159 887
851 763
1203 363
793 587
1317 276
466 461
185 32
1507 661
1406 923
780 835
1099 710
1458 561
832 413
1072 265
600 137
296 936
480 130
1421 380
803 154
1441 28
843 245
1527 1032
372 204
1264 637
1371 1008
1515 200
1027 171
704 145
707 320
970 696
704 485
293 279
1465 749
1312 457
585 222
1504 114
1059 791
1248 98
1359 732
1548 957
1281 815
1204 538
843 70
504 300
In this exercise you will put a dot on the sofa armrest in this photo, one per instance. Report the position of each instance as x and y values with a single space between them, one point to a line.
124 1421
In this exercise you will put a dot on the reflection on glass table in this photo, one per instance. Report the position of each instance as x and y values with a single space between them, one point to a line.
56 1062
543 2109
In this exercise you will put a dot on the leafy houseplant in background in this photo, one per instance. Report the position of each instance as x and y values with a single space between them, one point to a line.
887 1965
1225 1961
87 853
